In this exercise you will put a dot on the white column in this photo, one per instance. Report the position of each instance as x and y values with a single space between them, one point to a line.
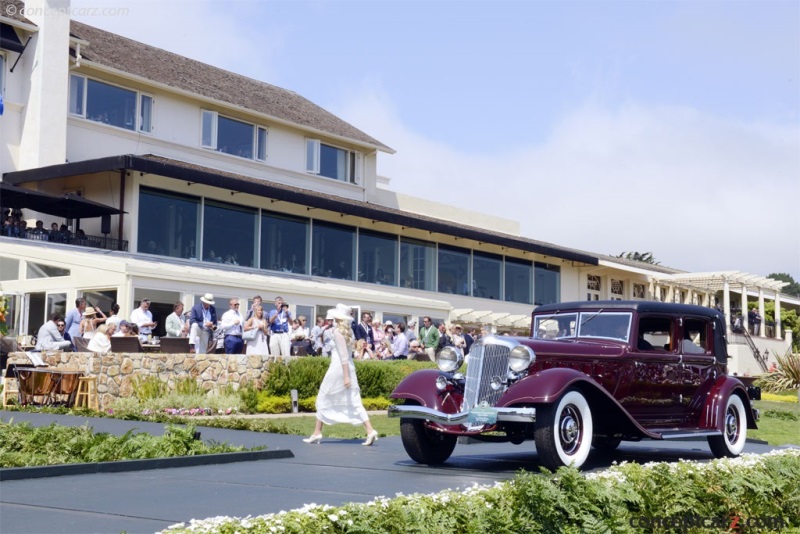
670 293
745 309
778 332
726 304
689 296
763 327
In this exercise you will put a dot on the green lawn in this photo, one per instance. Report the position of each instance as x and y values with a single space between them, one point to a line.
779 423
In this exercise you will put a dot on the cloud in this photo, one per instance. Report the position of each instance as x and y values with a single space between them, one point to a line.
700 192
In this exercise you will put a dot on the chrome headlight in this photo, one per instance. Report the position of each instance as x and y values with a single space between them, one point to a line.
449 359
520 358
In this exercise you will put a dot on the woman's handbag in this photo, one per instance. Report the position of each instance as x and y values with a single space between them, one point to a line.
250 335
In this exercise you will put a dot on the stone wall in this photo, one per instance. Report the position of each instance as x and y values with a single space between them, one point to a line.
115 372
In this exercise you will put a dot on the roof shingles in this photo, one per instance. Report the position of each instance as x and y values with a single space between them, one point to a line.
173 70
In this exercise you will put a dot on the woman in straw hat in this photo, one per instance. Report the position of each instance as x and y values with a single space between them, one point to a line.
90 321
339 397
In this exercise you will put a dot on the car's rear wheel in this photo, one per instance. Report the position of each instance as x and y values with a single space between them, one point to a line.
734 432
424 445
564 431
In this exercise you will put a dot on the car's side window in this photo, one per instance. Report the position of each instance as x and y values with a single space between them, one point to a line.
655 334
695 336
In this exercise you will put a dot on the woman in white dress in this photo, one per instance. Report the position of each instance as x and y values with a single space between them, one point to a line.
259 345
339 397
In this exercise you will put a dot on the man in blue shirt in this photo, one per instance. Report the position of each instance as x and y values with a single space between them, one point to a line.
74 318
279 319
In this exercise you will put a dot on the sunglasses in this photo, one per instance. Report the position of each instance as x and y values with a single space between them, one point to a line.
61 325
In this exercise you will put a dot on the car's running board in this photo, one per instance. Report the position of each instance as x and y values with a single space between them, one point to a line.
682 433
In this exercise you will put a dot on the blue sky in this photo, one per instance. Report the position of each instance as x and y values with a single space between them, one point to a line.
669 127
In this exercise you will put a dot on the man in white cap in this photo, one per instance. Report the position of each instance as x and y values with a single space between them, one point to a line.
203 320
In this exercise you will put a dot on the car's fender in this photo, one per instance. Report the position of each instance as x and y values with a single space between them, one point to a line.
547 386
712 415
420 387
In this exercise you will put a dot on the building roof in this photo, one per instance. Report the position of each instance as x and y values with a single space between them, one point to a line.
260 187
715 281
162 67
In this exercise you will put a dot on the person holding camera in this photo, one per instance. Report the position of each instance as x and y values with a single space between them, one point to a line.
279 320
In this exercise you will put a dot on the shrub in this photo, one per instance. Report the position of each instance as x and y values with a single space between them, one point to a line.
375 378
758 492
188 386
786 376
22 445
150 387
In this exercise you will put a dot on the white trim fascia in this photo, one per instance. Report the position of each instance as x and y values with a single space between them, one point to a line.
628 268
21 25
227 105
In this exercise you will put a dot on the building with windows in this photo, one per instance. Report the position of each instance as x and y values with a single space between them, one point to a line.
175 178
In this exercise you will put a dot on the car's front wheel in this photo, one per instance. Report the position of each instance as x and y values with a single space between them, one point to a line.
734 432
424 445
564 431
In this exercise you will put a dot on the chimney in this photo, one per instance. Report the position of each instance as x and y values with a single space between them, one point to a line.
44 131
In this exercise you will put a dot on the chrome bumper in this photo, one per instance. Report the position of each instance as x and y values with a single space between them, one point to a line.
518 415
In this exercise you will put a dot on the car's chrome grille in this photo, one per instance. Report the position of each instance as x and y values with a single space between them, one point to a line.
485 362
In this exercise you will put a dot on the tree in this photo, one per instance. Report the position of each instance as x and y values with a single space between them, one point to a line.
644 257
792 289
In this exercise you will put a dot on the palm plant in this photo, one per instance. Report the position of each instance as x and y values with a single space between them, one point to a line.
785 376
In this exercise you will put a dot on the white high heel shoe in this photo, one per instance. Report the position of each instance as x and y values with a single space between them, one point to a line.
315 438
372 437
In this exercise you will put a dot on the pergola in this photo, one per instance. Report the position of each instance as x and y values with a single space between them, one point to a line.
725 281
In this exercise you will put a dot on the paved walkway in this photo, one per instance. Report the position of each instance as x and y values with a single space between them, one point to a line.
334 472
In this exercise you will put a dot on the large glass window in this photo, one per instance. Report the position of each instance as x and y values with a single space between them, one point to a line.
454 274
169 223
487 269
229 234
284 243
417 264
333 250
547 284
519 280
232 136
377 258
332 162
235 137
109 104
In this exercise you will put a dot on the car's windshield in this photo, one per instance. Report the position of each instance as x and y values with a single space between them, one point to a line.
555 326
608 325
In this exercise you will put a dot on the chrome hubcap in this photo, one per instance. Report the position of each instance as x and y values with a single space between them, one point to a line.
732 425
570 429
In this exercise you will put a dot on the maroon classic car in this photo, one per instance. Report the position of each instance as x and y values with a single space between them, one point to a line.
592 374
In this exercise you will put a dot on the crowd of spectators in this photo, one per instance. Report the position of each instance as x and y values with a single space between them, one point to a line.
15 226
258 331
